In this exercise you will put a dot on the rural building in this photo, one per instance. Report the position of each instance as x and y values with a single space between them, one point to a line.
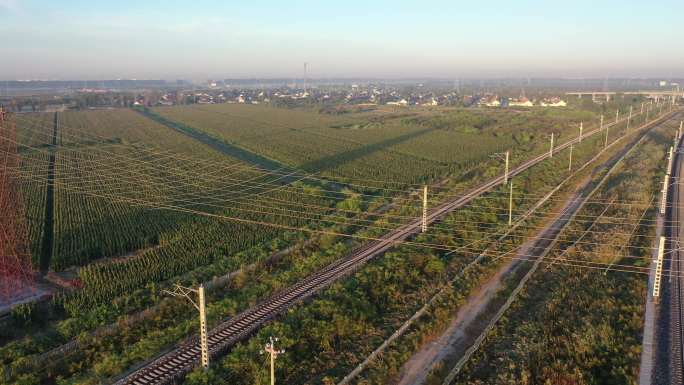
521 102
553 102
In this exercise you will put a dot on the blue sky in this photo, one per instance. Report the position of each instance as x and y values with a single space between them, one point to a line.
216 39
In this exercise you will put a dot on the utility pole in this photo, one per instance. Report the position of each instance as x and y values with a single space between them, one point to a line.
659 269
605 144
570 162
424 225
679 132
551 148
506 171
663 199
510 205
617 115
203 326
581 129
271 350
200 305
669 160
642 108
601 122
505 157
629 119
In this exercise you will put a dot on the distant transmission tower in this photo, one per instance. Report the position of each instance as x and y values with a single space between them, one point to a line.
16 272
305 65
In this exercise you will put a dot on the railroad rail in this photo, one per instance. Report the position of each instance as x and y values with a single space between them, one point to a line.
174 365
676 345
670 320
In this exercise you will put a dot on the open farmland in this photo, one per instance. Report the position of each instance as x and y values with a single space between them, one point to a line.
387 144
121 152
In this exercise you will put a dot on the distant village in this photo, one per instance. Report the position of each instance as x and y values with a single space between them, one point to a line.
496 101
331 95
332 98
352 95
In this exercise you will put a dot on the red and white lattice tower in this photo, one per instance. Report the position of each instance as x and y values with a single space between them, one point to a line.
16 272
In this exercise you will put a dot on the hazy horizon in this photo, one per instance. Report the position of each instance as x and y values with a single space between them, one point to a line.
389 40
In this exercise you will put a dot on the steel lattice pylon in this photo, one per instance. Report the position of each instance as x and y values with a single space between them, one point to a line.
16 273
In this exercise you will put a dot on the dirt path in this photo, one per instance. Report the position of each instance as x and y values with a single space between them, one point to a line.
455 338
417 369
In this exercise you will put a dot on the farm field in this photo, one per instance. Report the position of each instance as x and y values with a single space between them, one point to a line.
409 146
120 152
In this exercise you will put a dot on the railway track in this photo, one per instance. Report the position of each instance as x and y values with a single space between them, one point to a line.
676 303
669 364
172 366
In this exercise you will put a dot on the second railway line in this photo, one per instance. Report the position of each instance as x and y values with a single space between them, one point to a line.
669 354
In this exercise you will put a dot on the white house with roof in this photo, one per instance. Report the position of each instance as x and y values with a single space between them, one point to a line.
495 102
522 102
402 102
553 102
